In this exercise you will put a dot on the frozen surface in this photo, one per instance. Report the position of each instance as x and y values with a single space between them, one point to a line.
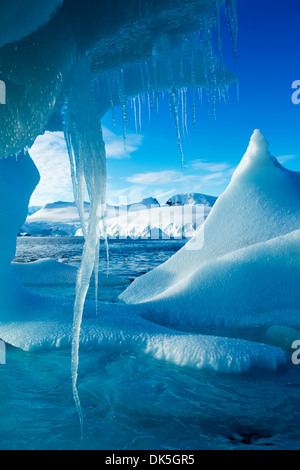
244 261
50 272
119 326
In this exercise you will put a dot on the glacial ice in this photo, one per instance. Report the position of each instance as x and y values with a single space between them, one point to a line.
33 322
26 16
81 47
243 266
46 323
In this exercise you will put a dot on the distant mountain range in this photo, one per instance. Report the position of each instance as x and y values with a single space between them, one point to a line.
180 217
192 199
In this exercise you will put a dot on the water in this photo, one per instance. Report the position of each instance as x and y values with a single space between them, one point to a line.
135 402
128 259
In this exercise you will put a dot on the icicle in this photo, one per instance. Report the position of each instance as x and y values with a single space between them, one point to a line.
220 47
238 91
135 115
83 133
193 82
232 20
111 99
182 112
123 102
174 108
140 112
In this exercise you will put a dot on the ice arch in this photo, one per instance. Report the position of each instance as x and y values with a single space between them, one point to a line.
55 68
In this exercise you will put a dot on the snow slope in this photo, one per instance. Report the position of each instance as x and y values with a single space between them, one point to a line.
34 322
243 266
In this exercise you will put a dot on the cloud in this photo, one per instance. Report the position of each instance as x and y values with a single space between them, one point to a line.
159 177
208 166
197 172
114 144
285 158
49 152
50 155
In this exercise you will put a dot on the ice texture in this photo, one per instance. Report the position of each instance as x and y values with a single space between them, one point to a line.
20 18
134 50
48 325
243 266
83 132
50 272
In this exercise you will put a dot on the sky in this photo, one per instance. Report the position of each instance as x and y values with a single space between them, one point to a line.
267 65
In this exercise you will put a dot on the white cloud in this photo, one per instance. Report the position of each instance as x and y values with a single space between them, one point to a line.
285 158
114 144
159 177
208 166
50 155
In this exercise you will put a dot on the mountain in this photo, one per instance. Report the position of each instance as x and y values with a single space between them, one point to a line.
33 209
192 199
146 219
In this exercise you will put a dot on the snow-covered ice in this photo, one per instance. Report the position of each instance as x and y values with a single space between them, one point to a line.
243 266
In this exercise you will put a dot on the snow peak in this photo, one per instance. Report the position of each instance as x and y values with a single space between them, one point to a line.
115 460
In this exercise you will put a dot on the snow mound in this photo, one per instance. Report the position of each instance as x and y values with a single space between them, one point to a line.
120 326
243 262
52 272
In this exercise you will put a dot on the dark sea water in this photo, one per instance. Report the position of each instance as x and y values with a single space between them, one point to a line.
131 401
127 259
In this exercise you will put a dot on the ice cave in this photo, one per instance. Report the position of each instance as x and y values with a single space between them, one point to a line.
65 64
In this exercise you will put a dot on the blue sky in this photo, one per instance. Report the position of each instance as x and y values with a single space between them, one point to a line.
267 65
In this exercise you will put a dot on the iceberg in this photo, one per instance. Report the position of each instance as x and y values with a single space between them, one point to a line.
243 266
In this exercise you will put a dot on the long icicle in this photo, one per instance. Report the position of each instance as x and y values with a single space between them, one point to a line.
87 152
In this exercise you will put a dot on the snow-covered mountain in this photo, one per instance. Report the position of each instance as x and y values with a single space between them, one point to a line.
192 199
33 209
146 219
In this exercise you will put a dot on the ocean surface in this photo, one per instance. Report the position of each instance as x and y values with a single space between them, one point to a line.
131 401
